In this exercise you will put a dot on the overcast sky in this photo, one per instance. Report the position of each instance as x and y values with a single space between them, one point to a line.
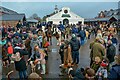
83 9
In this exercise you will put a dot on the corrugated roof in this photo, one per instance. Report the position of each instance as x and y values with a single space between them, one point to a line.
11 17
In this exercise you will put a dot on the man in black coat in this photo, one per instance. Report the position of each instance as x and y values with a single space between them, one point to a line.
20 64
111 51
75 46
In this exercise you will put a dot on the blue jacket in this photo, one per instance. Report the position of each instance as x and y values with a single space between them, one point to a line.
114 41
61 27
82 34
114 73
74 30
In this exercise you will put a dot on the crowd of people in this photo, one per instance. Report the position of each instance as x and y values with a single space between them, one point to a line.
34 41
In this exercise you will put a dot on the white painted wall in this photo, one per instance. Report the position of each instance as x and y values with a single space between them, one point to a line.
74 19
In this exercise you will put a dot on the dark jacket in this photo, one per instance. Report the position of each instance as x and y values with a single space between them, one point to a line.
27 44
114 73
82 34
61 50
17 41
111 52
114 41
20 65
75 44
78 75
21 51
74 30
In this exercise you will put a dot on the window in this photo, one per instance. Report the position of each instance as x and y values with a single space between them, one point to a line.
65 11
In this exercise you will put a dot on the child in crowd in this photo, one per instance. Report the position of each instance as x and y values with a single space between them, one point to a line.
9 50
90 74
102 71
96 64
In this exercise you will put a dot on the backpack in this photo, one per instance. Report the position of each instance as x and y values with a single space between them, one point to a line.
75 45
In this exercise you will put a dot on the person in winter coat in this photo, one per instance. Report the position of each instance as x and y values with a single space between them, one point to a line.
91 52
75 46
114 40
40 38
20 64
61 52
74 30
82 36
34 42
17 40
102 72
27 45
99 34
67 54
111 51
78 75
10 49
96 64
5 57
115 70
90 74
97 50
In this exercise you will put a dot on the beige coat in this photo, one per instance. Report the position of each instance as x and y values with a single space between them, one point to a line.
67 55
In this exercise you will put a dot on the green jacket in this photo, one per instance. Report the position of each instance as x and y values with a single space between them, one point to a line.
97 50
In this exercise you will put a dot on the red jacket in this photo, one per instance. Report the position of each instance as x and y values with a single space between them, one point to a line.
10 50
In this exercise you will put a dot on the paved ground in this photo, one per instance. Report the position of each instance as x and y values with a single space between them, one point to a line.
54 61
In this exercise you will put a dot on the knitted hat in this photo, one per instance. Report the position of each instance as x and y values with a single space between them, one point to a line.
73 35
104 64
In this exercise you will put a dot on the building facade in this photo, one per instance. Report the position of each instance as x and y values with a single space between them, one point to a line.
66 16
110 16
10 18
